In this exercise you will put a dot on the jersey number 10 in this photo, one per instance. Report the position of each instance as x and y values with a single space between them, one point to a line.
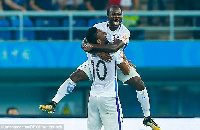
96 69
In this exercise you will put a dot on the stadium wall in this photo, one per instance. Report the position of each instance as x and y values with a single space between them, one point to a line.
70 54
31 72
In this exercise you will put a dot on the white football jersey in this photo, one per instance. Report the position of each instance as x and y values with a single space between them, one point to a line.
104 75
122 33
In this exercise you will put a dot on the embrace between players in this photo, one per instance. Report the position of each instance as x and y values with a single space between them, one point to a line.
104 45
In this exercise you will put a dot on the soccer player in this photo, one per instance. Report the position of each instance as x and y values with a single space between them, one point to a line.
104 107
118 37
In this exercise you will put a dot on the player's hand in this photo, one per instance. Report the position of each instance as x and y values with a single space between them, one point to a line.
49 108
104 56
86 46
129 62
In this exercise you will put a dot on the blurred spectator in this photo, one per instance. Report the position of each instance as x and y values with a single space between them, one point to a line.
161 6
129 4
71 5
96 4
42 5
114 2
1 7
125 4
132 21
12 111
15 5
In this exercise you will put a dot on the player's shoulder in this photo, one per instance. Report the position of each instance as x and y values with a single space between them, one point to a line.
101 25
124 28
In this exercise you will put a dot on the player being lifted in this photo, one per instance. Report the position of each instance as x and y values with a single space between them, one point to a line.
118 37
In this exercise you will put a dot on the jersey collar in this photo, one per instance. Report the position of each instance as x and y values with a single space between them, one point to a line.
116 29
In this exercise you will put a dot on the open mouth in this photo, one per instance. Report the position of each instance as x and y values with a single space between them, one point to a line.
116 22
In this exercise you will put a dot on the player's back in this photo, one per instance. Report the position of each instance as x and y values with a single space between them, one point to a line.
104 75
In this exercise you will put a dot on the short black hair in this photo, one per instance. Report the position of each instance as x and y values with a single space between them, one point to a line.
91 35
112 6
11 108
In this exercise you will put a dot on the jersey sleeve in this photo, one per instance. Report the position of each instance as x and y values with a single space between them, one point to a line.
118 57
124 36
98 25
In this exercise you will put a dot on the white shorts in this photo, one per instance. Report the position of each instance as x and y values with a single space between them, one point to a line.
85 67
125 78
104 111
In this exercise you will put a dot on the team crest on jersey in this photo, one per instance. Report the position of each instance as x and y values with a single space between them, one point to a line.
125 37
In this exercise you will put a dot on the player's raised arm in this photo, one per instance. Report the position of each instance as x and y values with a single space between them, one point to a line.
109 48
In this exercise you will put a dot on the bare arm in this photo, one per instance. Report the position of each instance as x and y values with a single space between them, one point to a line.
124 67
136 4
14 6
33 6
89 6
108 48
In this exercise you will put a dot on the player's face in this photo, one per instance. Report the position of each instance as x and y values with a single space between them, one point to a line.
114 18
102 36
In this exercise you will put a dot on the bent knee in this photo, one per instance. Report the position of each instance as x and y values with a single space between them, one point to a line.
137 83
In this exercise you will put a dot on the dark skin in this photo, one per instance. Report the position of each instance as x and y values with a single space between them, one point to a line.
102 50
124 67
115 19
80 75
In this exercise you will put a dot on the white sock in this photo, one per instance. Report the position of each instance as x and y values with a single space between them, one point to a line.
143 98
64 89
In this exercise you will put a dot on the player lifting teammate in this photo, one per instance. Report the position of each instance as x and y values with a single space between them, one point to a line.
118 37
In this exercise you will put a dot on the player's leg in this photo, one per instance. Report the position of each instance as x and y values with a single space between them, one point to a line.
78 75
134 80
94 121
82 73
142 93
111 113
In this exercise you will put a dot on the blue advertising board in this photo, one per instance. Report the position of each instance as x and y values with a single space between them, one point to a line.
164 53
70 54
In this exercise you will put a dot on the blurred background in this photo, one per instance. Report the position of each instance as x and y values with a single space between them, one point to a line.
41 46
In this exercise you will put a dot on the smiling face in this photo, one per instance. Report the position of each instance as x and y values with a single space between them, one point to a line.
114 17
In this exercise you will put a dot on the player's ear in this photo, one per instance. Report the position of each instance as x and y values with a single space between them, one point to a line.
99 41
